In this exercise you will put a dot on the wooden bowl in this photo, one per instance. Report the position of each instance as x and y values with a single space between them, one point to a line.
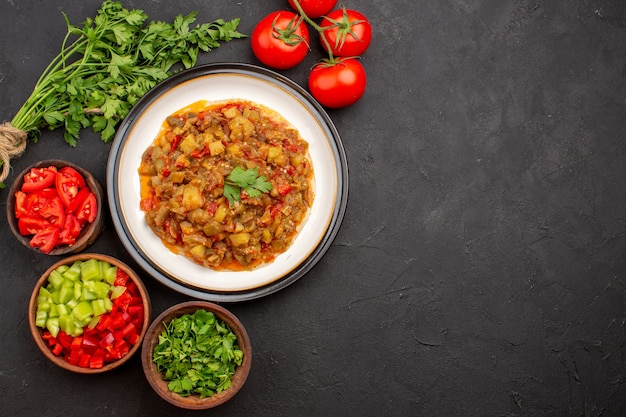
89 233
37 332
194 402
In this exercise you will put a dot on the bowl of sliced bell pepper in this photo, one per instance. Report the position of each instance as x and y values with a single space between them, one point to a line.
55 207
89 313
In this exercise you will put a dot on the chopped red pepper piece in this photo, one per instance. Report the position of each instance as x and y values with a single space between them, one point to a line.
84 360
133 338
90 341
96 362
121 278
64 339
127 330
107 340
57 349
74 356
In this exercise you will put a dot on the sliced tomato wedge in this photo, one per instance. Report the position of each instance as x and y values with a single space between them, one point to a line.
87 209
39 178
37 200
80 197
45 240
68 183
30 225
70 230
54 211
21 208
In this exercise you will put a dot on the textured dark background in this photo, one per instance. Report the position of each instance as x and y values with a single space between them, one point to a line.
481 266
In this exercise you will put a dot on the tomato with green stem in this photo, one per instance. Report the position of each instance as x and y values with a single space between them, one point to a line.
339 83
347 32
314 8
280 40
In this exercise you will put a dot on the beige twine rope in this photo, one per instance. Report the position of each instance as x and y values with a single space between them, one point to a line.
12 145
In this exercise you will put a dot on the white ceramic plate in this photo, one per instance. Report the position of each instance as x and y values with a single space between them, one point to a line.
217 82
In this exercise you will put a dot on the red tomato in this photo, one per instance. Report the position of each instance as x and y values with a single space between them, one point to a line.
338 85
35 201
88 209
70 230
314 8
21 201
54 212
29 225
68 183
348 32
45 240
39 178
280 40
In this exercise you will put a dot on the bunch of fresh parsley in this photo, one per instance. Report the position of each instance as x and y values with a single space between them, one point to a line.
108 64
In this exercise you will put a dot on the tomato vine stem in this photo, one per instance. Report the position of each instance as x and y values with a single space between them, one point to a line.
331 58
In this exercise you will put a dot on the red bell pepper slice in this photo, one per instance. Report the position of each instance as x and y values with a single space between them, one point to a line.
96 362
65 340
122 302
133 338
127 330
107 340
39 178
84 360
90 341
47 336
74 356
121 278
57 350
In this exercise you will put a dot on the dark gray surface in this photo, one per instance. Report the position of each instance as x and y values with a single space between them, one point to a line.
481 266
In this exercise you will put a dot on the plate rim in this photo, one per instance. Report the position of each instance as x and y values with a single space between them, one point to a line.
341 166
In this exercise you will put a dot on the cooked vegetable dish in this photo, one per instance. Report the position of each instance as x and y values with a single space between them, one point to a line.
227 184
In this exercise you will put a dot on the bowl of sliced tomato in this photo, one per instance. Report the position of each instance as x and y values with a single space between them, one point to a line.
196 355
55 207
89 313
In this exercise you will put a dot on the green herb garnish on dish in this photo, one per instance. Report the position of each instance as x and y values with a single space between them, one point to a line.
247 180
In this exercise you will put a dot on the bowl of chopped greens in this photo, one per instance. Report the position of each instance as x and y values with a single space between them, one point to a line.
89 313
196 355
